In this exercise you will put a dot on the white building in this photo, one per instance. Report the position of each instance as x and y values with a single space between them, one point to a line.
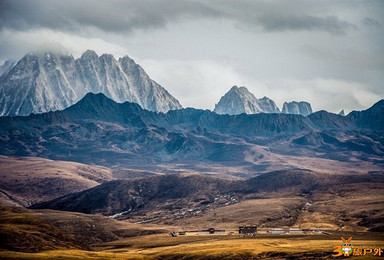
295 231
278 231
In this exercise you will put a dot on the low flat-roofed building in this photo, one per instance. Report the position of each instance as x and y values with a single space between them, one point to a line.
295 231
278 231
248 230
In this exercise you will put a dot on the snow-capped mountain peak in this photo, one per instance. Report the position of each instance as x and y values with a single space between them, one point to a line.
239 100
298 108
49 81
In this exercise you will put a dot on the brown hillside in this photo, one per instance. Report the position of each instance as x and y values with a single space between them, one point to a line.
29 180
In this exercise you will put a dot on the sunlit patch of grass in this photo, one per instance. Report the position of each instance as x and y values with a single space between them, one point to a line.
263 248
28 233
69 254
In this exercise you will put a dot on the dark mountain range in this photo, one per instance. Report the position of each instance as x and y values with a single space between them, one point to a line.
100 108
371 118
101 131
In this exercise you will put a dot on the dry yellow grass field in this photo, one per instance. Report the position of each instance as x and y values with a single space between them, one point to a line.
57 236
253 211
208 247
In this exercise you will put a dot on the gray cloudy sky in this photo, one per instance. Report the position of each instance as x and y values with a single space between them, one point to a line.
327 52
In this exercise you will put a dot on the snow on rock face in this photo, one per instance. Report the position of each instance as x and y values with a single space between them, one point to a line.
51 81
7 66
239 100
268 105
298 108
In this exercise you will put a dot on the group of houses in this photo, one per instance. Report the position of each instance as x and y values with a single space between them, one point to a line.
246 230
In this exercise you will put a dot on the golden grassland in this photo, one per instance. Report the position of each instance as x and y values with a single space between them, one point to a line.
206 247
251 211
50 242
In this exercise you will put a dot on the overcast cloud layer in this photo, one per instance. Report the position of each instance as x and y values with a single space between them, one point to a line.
329 53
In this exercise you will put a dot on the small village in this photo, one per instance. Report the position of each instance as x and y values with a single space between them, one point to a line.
248 230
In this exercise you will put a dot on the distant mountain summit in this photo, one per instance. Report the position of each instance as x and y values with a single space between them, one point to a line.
297 108
49 81
239 100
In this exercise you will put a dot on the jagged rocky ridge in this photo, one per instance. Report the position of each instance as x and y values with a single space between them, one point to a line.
42 82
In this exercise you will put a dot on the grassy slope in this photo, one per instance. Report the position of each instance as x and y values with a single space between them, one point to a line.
22 231
26 180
